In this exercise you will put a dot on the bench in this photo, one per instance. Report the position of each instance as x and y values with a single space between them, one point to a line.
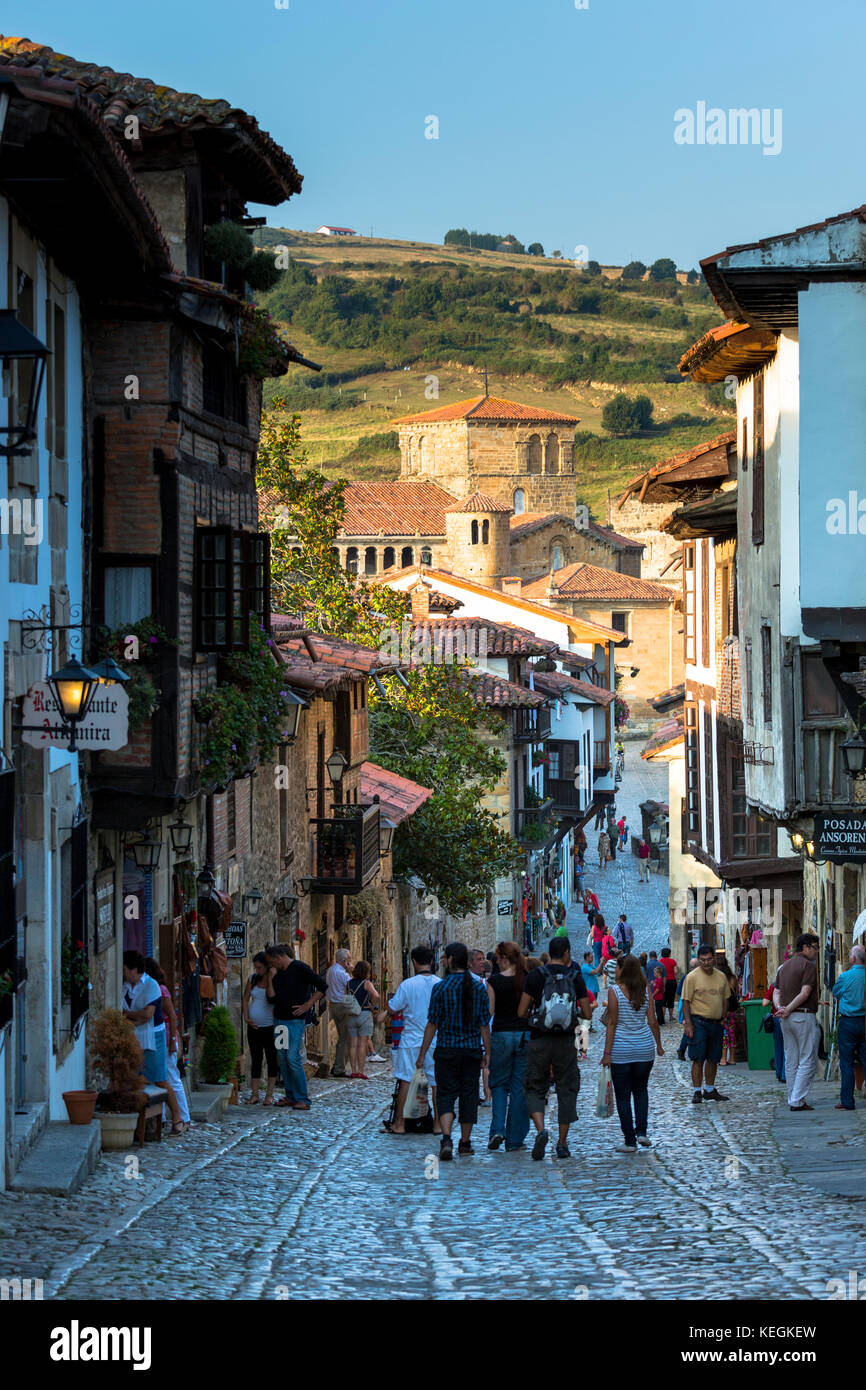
150 1108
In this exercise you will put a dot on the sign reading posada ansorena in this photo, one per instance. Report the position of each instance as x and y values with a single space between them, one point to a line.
841 838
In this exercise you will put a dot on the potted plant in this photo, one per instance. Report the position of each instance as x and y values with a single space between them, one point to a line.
80 1106
219 1054
117 1056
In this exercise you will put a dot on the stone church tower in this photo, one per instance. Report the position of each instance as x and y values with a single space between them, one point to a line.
478 539
519 455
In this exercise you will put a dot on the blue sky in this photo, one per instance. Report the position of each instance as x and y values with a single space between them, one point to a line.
555 123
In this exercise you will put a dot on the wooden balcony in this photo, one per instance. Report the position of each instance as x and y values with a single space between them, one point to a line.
600 755
346 854
564 795
820 776
531 725
534 823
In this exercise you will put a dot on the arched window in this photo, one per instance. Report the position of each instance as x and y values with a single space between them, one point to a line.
534 454
556 558
370 560
485 533
425 454
551 454
426 555
352 559
389 557
475 533
406 557
519 501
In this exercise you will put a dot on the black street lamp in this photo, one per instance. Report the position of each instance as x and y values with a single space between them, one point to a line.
391 890
110 673
252 902
18 344
854 755
73 687
386 835
181 835
292 716
145 852
336 765
205 882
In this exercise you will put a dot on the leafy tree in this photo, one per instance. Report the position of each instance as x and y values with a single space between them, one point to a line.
635 270
433 733
693 278
622 415
457 236
556 255
592 268
535 248
663 269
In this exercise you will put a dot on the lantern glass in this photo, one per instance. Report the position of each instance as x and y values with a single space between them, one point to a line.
146 854
110 673
18 346
336 765
181 836
252 902
386 836
854 755
73 687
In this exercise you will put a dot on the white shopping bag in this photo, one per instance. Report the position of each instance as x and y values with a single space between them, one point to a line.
416 1098
604 1098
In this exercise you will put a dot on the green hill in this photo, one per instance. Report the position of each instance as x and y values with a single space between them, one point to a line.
394 322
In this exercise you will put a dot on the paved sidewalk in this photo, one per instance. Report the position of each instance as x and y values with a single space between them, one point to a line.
827 1148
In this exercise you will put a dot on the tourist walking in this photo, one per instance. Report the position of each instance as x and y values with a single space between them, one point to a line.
509 1122
672 971
173 1043
850 1024
705 997
337 977
459 1019
603 849
729 1024
643 858
796 998
412 1002
293 989
590 979
623 934
632 1042
554 999
142 1005
657 990
258 1015
360 987
778 1038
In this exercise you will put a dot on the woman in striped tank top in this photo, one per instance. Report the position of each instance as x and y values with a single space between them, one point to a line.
632 1043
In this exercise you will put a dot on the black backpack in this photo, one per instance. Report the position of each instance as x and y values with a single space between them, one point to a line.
558 1009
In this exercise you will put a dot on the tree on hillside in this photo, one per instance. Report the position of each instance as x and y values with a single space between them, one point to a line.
635 270
663 269
457 236
535 248
592 268
693 278
622 415
556 254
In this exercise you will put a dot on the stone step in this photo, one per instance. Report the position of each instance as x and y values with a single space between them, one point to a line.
27 1125
205 1107
62 1158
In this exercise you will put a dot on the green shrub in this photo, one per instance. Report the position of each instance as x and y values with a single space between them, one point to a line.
220 1052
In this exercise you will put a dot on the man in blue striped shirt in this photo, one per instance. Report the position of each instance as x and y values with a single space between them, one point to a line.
459 1019
850 990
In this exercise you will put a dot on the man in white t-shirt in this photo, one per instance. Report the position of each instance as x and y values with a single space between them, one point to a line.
338 976
412 1000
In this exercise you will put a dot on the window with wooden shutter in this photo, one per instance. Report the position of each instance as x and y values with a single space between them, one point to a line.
704 553
693 776
232 581
708 780
689 601
767 672
748 837
758 466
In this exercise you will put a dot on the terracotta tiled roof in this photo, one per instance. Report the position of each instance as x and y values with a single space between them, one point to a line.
502 639
498 692
317 662
479 502
581 629
272 175
526 522
486 408
399 797
404 507
627 542
584 581
665 466
556 683
666 698
729 349
667 735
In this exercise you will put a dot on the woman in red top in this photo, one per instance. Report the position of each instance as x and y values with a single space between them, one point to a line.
672 971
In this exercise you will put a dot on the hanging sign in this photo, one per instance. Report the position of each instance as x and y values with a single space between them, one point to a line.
105 923
841 837
505 907
236 940
106 725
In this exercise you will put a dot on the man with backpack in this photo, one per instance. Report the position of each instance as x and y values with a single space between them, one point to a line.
623 935
554 999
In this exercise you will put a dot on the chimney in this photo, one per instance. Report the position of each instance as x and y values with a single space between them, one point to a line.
420 594
512 584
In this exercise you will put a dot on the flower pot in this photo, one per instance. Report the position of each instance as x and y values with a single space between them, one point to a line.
118 1131
80 1106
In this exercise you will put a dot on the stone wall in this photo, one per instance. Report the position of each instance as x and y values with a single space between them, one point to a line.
640 521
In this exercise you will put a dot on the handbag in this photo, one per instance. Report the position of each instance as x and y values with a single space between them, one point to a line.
205 987
767 1023
604 1097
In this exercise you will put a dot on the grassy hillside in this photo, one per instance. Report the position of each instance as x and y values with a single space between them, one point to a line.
392 321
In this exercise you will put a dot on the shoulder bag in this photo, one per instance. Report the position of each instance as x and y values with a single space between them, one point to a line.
350 999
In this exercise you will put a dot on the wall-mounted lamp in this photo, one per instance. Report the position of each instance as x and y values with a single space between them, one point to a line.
252 902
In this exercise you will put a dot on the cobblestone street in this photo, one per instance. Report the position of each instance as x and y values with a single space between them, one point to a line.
326 1205
275 1205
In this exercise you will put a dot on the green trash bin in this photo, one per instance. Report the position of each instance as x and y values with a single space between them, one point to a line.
759 1045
